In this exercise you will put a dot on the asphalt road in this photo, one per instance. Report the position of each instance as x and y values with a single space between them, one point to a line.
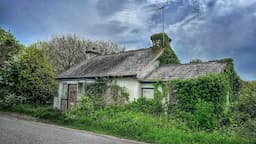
14 130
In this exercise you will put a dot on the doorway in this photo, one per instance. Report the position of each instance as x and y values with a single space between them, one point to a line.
72 94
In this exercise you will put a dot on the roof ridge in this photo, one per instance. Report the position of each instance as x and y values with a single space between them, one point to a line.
124 52
211 61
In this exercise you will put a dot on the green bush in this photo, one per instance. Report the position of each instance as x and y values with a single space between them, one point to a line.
248 129
210 88
149 128
95 92
247 99
116 120
205 116
9 46
30 76
10 100
195 61
85 108
142 104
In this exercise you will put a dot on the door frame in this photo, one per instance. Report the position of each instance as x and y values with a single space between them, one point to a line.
69 93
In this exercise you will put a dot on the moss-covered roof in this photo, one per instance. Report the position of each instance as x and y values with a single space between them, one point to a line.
184 71
128 63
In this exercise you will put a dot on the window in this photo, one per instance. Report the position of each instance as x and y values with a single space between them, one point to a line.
148 93
80 88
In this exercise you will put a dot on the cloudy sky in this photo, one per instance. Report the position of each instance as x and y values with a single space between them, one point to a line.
204 29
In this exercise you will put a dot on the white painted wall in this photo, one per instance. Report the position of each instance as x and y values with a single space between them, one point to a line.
132 86
63 89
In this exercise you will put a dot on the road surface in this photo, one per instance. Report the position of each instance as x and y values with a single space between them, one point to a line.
14 130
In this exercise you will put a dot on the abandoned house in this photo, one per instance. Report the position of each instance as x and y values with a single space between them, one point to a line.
136 70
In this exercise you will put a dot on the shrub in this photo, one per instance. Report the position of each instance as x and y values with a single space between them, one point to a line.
10 100
204 115
248 129
95 92
29 75
8 46
142 104
247 99
210 88
194 61
85 108
116 120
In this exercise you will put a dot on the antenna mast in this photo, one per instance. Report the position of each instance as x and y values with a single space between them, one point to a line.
162 8
162 14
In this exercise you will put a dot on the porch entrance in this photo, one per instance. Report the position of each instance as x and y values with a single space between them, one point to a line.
72 94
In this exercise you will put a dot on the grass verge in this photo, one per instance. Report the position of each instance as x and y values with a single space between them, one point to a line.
129 124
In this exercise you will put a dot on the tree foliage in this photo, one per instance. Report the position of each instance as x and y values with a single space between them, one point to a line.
194 61
29 75
8 46
247 99
65 51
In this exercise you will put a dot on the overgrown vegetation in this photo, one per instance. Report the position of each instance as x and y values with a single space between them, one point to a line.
161 41
145 120
195 61
119 121
207 109
9 46
97 92
28 75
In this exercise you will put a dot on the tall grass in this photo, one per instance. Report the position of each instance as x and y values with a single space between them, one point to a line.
132 124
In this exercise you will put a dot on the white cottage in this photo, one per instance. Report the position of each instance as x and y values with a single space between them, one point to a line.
135 70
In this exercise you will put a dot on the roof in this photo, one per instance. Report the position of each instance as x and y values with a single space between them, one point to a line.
128 63
185 71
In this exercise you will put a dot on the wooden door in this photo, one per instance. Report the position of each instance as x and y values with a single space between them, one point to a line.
72 93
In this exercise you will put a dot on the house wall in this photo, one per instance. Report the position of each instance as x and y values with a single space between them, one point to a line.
132 86
59 102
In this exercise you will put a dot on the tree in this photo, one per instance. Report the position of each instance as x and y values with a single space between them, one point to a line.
29 75
8 46
194 61
66 51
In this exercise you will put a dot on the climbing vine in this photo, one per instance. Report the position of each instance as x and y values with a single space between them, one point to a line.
119 94
97 90
218 89
161 41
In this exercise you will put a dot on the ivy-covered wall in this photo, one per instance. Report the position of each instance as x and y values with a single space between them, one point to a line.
218 89
106 91
210 88
161 41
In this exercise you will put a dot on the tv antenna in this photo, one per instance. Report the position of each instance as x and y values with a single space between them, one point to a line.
162 8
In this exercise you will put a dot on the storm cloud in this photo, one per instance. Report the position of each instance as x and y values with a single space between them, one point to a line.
204 29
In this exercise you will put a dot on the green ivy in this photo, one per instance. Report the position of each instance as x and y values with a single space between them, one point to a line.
219 89
119 92
210 88
161 41
96 91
